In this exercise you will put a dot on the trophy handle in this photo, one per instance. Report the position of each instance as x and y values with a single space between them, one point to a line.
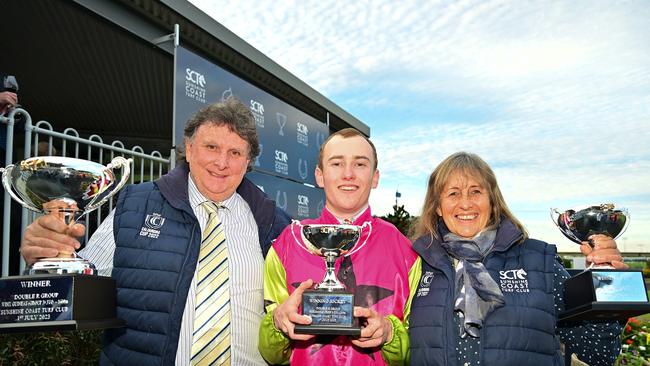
555 216
7 185
117 162
627 222
358 247
300 243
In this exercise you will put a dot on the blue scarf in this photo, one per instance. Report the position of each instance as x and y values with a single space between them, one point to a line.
476 293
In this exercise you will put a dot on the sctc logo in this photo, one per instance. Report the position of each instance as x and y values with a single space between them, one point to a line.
195 77
281 162
303 200
281 156
513 274
302 128
301 134
303 206
257 107
513 281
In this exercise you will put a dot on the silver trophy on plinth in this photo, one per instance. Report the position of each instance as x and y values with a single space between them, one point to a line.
67 187
61 293
328 303
600 292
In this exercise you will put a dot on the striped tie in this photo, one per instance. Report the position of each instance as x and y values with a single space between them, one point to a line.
211 338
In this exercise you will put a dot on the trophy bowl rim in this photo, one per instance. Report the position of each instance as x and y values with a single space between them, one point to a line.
602 207
346 226
99 172
62 159
319 249
310 248
588 206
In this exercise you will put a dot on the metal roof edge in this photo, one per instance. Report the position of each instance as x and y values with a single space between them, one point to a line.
217 30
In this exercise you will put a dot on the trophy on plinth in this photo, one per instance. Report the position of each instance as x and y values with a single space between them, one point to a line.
328 303
64 292
600 292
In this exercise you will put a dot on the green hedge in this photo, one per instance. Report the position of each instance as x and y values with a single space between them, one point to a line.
82 347
45 349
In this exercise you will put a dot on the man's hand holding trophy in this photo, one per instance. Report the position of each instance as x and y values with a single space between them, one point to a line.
62 292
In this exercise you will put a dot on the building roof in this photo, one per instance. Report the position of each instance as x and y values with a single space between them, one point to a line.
92 66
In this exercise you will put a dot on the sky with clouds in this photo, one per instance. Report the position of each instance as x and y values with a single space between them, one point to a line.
554 95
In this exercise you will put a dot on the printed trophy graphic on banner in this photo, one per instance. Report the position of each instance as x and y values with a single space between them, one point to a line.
600 291
282 121
328 303
62 292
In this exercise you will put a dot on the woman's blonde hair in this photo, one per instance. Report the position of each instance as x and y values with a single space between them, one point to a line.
470 165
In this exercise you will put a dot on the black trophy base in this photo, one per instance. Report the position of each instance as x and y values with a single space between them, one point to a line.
61 326
613 311
41 303
605 294
353 331
331 312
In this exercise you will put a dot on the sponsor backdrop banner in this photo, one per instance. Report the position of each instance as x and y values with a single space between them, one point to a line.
289 138
299 200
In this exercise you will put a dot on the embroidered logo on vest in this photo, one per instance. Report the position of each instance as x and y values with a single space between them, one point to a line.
152 225
425 282
513 280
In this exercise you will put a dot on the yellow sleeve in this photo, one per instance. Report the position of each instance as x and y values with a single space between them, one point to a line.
396 351
274 346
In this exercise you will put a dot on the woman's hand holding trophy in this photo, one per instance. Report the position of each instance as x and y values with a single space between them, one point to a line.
601 251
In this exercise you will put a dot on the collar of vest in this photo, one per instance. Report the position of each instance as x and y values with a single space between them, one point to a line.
262 207
173 186
431 251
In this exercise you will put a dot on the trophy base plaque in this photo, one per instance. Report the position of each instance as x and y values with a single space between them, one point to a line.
332 313
605 294
57 302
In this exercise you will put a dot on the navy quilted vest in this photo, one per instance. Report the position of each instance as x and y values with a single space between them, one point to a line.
520 333
154 263
153 277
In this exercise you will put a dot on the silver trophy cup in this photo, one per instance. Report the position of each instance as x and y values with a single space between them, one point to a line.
330 242
328 303
600 292
580 223
69 188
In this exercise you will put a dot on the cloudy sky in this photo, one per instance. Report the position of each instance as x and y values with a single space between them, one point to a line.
554 95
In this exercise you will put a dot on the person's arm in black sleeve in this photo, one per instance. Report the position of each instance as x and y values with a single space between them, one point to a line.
595 343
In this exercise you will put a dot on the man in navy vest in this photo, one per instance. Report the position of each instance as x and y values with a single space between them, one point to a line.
156 274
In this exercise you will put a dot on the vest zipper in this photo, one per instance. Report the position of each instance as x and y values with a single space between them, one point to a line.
189 248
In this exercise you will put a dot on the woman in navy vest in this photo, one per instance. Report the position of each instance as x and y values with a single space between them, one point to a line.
488 294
